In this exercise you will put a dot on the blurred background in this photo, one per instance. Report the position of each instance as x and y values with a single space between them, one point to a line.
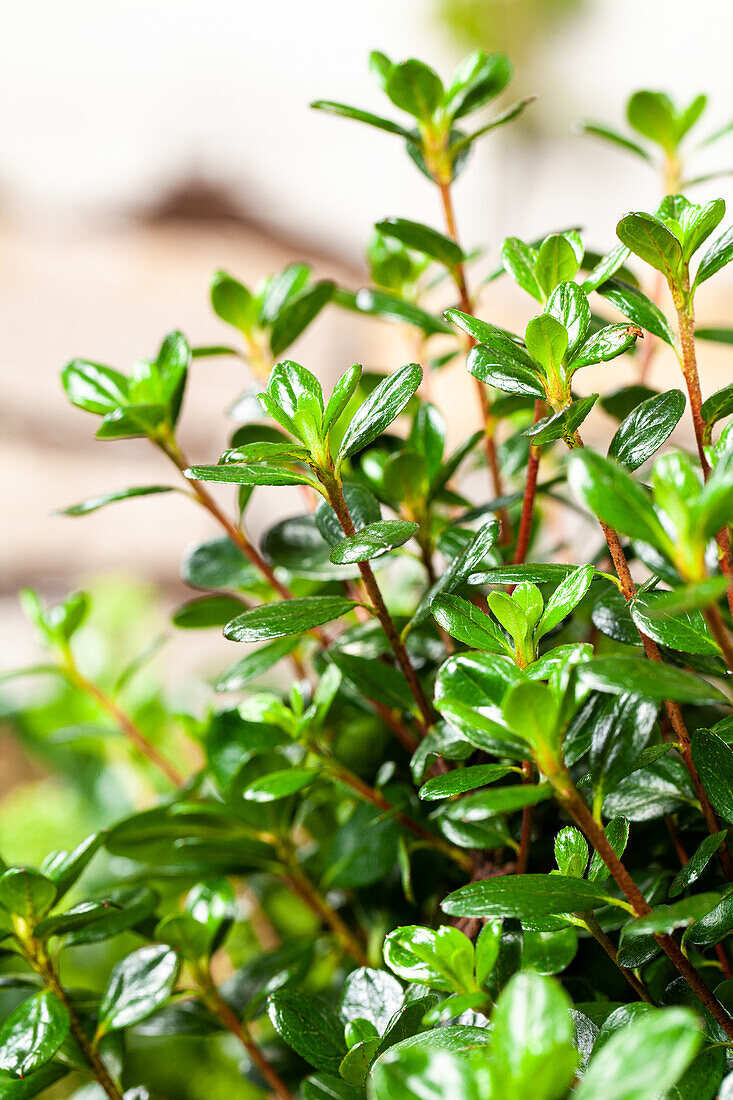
145 143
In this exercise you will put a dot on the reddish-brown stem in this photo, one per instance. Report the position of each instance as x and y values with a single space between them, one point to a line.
530 493
231 1021
602 939
43 965
525 837
300 884
628 589
377 799
337 501
459 275
717 628
688 362
124 723
576 807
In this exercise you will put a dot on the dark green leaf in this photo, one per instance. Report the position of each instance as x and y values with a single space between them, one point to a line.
638 308
612 494
93 503
423 239
686 631
646 428
297 314
470 625
32 1034
696 864
643 677
714 762
717 256
206 611
94 388
309 1026
26 893
257 474
255 664
277 620
373 541
345 111
383 405
381 304
140 983
601 130
650 239
461 780
232 301
416 88
526 897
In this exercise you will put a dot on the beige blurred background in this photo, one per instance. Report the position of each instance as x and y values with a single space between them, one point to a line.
145 143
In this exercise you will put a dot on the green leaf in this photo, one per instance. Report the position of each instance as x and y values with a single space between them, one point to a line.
667 918
26 894
421 1071
718 405
375 679
717 256
478 79
383 405
547 343
94 388
645 429
371 995
233 473
415 88
500 362
612 494
469 691
279 784
363 507
255 664
652 114
461 780
601 130
532 1040
697 863
277 620
549 952
344 111
206 611
232 301
123 908
440 959
65 867
617 834
568 304
309 1026
558 261
93 503
564 599
562 424
423 239
343 391
638 308
531 711
218 563
526 897
714 762
643 677
520 260
611 264
468 624
644 1059
571 852
297 314
686 631
140 983
31 1035
16 1089
373 541
379 303
650 239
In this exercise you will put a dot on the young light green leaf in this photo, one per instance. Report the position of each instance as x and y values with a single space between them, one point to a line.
441 959
383 405
564 599
533 1053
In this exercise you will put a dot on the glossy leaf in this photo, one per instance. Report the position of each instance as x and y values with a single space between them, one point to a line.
383 405
373 541
713 759
526 897
277 620
32 1034
138 985
310 1027
423 239
93 504
645 429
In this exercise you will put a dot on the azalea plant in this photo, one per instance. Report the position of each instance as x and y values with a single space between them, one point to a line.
499 786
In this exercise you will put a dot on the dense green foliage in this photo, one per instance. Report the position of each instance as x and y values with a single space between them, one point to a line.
498 790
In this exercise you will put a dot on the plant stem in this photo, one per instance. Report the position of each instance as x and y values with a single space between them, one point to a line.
300 884
43 965
688 362
237 536
628 589
601 938
231 1021
123 721
459 276
530 493
576 807
717 628
377 799
337 501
